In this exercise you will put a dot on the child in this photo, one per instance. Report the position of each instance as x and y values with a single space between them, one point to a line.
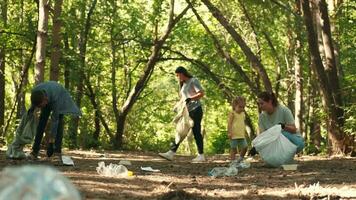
236 129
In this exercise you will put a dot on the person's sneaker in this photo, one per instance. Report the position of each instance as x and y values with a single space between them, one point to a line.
169 155
199 158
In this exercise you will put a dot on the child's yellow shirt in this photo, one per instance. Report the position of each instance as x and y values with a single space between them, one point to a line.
238 125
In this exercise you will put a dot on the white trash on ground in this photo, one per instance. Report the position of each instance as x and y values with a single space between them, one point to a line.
223 171
67 160
35 182
244 165
149 169
274 148
113 170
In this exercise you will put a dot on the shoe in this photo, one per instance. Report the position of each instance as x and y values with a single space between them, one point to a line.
199 158
169 155
50 149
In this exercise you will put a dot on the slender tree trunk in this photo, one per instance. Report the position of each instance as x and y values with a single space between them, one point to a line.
56 41
41 40
145 77
2 69
251 57
67 63
298 73
21 107
81 76
97 130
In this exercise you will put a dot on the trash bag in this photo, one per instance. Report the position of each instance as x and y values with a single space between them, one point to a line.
183 122
274 148
35 182
25 133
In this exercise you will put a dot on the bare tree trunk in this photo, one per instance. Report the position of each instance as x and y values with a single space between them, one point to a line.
56 41
41 40
145 77
255 62
2 69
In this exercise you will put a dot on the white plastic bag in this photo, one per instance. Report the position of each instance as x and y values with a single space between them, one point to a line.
274 148
35 182
183 122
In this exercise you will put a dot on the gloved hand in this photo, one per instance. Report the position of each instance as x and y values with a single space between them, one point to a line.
252 151
282 125
187 100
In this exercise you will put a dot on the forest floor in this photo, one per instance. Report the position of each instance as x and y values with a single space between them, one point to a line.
316 178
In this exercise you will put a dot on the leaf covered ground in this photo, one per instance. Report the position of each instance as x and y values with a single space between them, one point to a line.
316 177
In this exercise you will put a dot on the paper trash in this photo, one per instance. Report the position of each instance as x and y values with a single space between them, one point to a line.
67 161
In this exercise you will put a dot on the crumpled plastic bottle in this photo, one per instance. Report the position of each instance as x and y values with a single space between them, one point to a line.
113 170
223 171
36 182
244 165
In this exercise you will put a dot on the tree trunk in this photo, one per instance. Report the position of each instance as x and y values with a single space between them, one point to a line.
145 77
67 63
56 41
298 73
81 76
41 40
252 58
335 132
331 67
2 69
21 105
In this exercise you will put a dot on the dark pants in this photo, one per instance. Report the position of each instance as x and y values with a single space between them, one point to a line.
45 112
196 115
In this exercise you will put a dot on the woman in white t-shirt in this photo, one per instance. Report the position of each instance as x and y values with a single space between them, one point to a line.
191 91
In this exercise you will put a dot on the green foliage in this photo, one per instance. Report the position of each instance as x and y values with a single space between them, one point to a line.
219 143
121 38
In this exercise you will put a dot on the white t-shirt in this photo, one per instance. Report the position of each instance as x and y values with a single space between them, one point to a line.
190 88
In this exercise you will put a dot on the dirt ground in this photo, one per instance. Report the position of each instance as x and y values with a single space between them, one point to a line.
315 178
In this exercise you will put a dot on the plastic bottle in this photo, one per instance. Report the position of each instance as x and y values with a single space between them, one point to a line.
113 170
223 171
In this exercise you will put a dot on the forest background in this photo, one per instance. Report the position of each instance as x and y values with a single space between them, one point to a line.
117 59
